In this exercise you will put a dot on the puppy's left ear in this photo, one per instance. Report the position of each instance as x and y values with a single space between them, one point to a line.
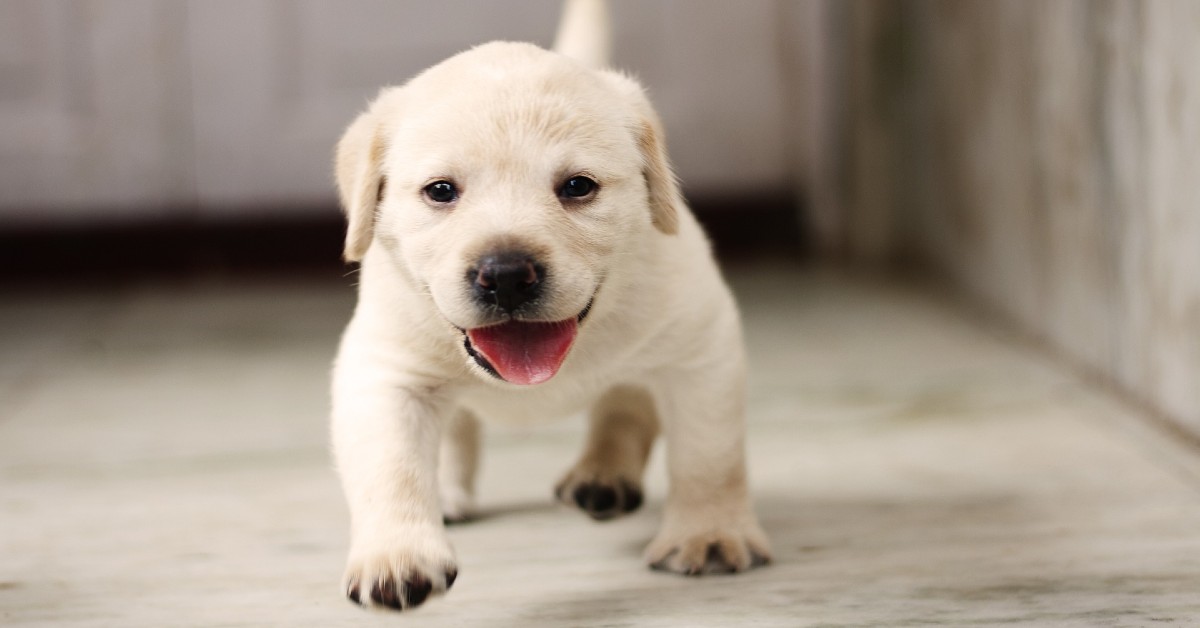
358 166
665 197
663 185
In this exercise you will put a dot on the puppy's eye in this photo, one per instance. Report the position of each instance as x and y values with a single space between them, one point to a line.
441 192
578 188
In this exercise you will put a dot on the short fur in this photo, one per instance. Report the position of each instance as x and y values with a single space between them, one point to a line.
659 351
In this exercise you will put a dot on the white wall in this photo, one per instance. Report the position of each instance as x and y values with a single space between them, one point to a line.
135 108
94 108
1045 157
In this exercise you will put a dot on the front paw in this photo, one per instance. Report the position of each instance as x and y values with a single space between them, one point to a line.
600 497
401 570
689 547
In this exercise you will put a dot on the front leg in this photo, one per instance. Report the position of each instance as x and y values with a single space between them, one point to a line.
385 441
708 524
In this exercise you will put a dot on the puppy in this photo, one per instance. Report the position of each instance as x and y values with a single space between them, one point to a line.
526 253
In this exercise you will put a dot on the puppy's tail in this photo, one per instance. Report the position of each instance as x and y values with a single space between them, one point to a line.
584 33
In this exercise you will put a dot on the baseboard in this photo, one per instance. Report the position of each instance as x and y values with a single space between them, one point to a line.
740 226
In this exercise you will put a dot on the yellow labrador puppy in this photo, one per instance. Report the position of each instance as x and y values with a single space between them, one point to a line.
525 253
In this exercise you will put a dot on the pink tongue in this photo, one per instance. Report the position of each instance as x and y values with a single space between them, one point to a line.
525 353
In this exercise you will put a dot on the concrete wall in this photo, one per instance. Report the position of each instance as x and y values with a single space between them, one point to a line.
115 109
1044 156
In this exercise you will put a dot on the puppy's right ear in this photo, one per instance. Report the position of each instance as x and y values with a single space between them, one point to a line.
358 166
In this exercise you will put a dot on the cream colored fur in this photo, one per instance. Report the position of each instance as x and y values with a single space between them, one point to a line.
660 349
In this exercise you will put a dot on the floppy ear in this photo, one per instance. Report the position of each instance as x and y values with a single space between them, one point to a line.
665 197
664 192
358 167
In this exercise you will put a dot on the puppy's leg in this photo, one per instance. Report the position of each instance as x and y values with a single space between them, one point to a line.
457 467
385 440
607 480
708 523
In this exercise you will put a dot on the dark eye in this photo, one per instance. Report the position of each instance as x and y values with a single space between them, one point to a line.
577 187
441 192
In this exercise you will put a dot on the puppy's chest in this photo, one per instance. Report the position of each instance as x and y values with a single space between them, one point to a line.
523 406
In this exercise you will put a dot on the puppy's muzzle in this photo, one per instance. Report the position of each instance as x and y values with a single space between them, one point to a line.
506 280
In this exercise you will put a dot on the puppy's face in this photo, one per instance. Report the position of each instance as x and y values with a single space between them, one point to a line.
506 183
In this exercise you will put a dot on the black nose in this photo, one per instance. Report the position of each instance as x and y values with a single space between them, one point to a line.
507 280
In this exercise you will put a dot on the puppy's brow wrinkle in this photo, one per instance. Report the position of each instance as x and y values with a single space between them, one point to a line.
550 117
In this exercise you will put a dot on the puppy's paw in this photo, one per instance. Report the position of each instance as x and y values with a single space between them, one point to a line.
401 571
600 497
693 550
458 506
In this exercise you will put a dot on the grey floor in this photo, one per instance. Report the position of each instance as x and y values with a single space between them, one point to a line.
163 462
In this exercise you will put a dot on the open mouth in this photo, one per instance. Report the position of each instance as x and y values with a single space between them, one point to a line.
523 352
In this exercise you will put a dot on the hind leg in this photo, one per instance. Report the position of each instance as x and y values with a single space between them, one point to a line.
457 466
606 481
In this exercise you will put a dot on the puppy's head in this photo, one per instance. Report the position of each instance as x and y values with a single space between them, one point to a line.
507 183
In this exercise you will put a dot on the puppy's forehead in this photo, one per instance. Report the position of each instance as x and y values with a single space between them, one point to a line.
505 96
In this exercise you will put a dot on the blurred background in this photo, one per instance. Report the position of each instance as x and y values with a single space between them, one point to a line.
170 237
1040 157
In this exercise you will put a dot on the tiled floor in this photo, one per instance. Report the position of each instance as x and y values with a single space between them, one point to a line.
163 463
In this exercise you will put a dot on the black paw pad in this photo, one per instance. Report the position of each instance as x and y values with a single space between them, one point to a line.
384 593
596 499
451 576
633 497
716 562
605 501
416 589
